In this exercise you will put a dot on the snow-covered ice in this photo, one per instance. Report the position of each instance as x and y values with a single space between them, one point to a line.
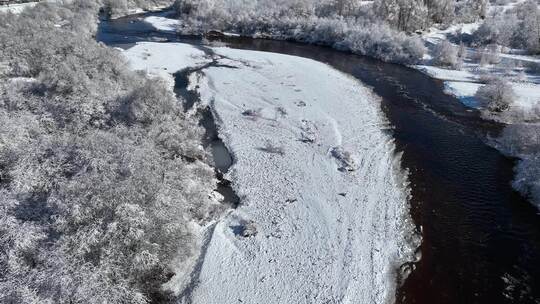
325 235
318 234
163 23
164 59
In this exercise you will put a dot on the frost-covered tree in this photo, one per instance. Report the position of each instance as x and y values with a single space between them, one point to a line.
440 11
496 96
530 27
114 7
406 15
498 29
410 15
470 10
522 140
102 174
446 54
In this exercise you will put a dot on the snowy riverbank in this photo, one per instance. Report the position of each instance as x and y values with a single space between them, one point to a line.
322 234
494 75
472 74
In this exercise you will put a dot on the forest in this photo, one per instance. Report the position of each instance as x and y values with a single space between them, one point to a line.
101 171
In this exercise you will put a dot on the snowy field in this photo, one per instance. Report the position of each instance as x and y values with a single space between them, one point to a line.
321 187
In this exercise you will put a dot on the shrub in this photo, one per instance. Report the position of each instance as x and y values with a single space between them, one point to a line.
496 96
446 54
488 55
306 21
522 140
101 172
526 180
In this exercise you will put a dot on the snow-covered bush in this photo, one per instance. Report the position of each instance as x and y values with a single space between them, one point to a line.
380 41
101 172
527 180
489 55
403 15
496 96
411 15
520 139
318 22
446 55
523 141
467 11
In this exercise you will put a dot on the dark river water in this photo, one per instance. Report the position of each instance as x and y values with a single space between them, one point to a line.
481 239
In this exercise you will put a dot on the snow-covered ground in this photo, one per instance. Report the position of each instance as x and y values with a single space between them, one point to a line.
323 235
465 82
164 59
16 8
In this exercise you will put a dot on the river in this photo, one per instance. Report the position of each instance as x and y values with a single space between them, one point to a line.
481 239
